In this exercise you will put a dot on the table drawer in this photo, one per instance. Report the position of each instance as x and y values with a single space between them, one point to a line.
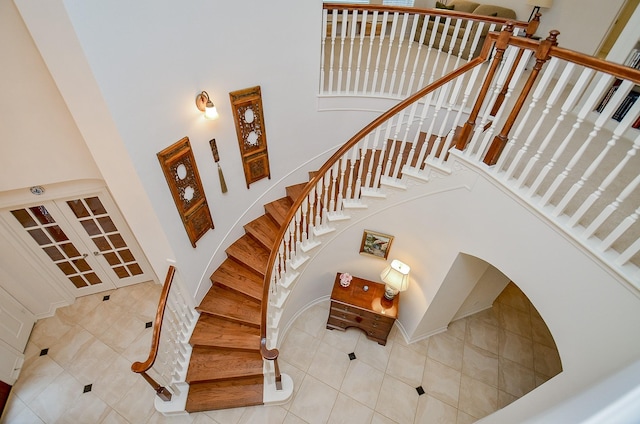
348 312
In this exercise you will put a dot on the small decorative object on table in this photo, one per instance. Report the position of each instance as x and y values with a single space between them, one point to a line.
367 310
345 279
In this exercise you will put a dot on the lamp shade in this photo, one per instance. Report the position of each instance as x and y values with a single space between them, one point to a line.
396 275
540 3
210 111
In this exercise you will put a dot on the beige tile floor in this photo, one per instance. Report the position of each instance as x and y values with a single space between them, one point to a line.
482 363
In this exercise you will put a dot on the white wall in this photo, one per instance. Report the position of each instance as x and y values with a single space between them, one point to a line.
486 290
40 141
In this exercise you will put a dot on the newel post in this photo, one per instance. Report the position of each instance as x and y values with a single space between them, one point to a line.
501 45
542 56
533 26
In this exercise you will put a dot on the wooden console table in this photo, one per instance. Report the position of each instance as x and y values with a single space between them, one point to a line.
367 310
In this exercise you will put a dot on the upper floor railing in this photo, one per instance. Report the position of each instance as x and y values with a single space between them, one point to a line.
557 128
392 51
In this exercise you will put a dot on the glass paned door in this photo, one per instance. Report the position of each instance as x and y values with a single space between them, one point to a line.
107 240
84 241
70 257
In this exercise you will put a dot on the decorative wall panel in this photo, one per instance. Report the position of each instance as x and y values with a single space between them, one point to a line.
180 170
252 138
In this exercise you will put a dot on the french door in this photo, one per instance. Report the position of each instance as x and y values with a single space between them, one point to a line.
84 242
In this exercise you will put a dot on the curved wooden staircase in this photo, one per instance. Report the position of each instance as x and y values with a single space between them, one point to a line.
226 367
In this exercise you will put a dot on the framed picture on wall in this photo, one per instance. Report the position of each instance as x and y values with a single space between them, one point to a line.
375 244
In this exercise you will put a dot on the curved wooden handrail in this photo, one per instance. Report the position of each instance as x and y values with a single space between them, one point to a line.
141 367
484 54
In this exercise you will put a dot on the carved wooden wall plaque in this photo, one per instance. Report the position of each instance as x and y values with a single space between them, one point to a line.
180 170
252 138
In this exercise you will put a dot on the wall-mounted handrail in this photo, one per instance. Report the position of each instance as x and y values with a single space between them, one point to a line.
142 367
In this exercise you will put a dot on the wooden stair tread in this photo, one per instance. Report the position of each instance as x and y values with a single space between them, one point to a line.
294 191
238 277
210 363
278 209
250 253
229 304
225 394
218 332
264 230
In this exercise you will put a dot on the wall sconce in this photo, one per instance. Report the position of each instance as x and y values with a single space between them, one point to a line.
205 105
396 278
537 4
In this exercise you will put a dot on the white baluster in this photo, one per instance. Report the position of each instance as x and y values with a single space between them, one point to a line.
630 252
304 220
442 94
322 49
374 22
626 223
385 69
532 134
440 48
405 139
567 106
383 151
374 82
343 37
606 213
287 249
558 89
318 203
452 44
392 150
297 223
352 169
352 38
282 264
376 139
325 204
621 128
418 56
363 26
617 98
594 96
409 54
311 198
463 44
394 74
341 182
444 129
476 38
432 38
333 187
334 25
